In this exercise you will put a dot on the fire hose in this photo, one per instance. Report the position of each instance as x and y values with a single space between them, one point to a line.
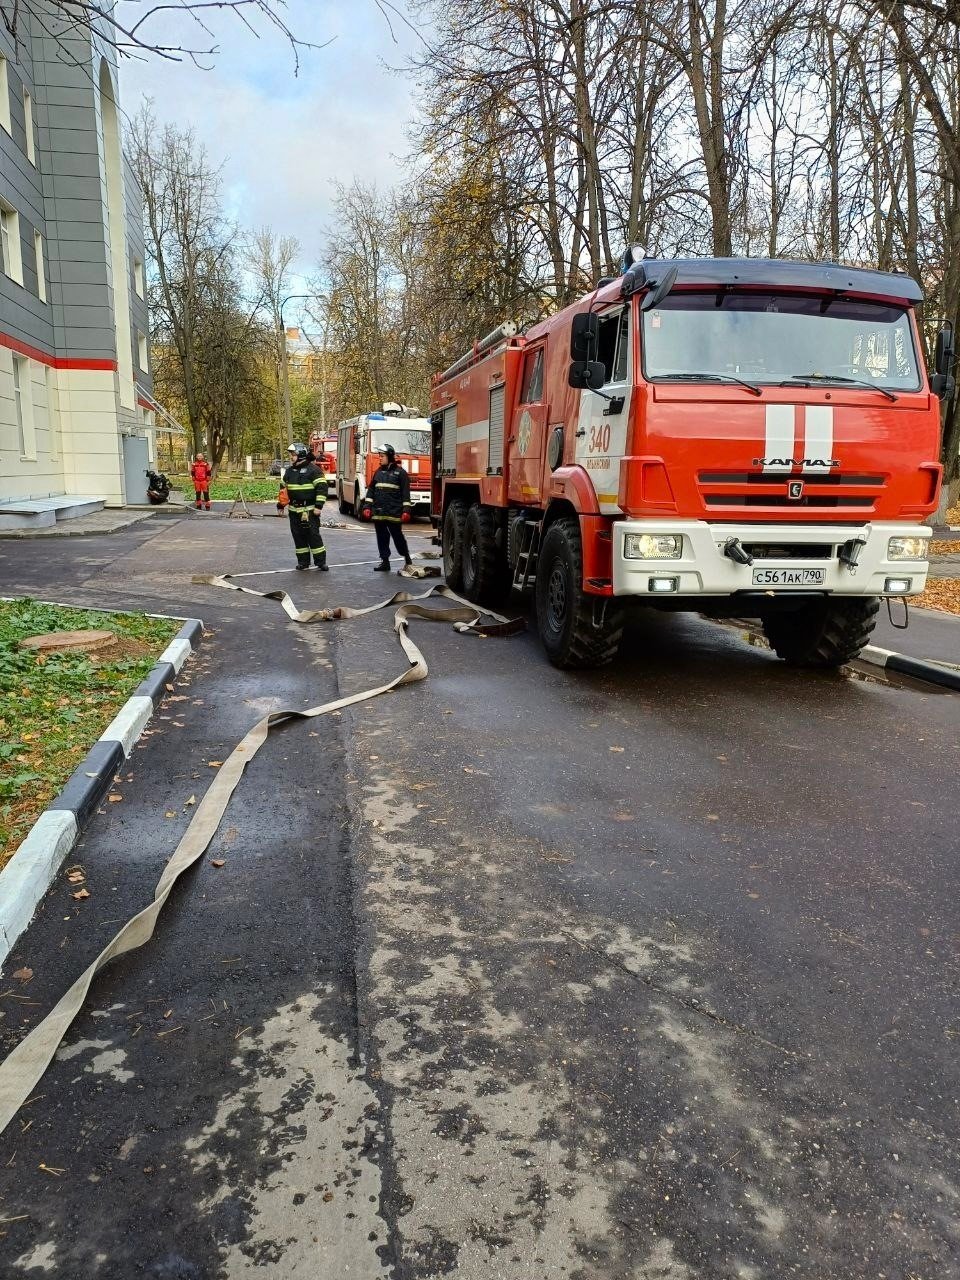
25 1065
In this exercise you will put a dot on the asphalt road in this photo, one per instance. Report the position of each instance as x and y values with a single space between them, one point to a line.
649 973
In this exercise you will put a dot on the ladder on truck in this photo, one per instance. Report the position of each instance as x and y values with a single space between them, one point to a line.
527 555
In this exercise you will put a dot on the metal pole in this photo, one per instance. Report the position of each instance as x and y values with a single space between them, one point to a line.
284 364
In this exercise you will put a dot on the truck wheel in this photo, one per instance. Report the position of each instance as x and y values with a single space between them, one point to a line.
484 574
452 543
577 630
822 633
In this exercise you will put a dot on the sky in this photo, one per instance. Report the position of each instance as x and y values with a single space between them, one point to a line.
285 140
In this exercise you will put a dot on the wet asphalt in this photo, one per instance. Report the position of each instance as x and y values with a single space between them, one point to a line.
648 972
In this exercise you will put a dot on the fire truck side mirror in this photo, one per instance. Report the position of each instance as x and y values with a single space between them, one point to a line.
589 375
942 382
584 336
659 290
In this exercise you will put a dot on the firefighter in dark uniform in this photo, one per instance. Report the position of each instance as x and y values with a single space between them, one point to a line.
389 493
306 487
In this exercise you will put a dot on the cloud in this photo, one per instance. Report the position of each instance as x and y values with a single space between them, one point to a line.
285 140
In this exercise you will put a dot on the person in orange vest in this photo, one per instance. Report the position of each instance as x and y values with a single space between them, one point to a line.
200 474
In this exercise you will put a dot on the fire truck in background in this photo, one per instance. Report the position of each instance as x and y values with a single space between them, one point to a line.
324 449
358 440
738 437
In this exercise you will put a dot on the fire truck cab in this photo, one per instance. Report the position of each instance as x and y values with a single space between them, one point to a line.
739 437
358 440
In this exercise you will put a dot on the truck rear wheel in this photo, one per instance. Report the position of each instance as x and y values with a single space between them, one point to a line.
577 630
452 542
483 570
822 633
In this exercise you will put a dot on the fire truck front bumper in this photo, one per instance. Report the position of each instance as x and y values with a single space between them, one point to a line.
694 558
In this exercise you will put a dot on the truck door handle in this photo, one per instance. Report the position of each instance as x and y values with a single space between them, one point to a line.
581 432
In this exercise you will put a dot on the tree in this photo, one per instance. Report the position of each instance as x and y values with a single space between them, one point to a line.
139 37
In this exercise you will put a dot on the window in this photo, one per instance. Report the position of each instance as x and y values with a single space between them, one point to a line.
10 258
532 392
41 274
23 402
779 337
142 350
28 125
613 344
4 96
138 277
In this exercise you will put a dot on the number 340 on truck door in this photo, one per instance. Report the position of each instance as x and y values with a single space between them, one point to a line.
600 438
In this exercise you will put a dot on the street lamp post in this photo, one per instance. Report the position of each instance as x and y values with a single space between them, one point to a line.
284 364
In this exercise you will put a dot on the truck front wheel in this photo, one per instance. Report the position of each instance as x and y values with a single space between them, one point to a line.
577 630
822 633
452 541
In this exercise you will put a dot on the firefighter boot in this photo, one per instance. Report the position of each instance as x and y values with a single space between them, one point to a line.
382 567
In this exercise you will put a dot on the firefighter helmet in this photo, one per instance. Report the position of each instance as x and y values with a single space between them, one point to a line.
388 450
299 449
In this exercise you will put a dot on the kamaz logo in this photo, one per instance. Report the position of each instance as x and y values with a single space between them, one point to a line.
796 462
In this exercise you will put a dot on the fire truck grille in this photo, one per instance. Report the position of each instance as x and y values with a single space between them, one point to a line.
759 489
789 550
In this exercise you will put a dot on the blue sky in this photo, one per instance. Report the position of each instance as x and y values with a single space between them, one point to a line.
285 140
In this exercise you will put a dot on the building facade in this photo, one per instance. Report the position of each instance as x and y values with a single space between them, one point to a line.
76 416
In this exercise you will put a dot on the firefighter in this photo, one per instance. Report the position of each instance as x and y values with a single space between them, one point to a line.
200 473
306 487
390 496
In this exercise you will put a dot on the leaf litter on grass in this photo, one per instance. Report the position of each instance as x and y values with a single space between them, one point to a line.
67 700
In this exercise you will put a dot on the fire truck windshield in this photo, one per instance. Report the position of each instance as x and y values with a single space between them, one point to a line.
771 338
404 440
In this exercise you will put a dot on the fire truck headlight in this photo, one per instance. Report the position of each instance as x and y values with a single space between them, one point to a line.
907 549
652 546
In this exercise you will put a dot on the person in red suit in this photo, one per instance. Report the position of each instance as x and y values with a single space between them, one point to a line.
200 474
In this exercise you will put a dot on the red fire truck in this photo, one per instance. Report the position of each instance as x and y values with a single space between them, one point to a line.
739 437
358 440
324 449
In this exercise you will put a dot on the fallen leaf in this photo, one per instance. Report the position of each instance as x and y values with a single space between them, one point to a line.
168 1013
115 797
327 1197
712 817
618 749
169 814
80 894
373 757
218 862
214 764
169 688
192 800
22 975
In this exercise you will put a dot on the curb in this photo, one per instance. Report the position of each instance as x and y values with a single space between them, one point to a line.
33 867
918 668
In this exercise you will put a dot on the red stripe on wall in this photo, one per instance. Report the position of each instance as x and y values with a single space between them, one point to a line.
56 362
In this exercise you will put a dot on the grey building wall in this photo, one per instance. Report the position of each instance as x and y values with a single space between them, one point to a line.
64 197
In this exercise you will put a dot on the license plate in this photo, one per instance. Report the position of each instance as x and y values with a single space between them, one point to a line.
789 577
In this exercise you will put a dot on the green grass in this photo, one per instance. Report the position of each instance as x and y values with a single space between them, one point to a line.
225 488
53 708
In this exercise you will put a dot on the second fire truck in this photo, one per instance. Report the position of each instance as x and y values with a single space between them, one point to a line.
358 440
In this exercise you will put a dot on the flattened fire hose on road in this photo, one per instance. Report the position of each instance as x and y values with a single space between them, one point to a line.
24 1066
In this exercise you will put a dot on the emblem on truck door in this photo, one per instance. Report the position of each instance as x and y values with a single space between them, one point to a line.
795 489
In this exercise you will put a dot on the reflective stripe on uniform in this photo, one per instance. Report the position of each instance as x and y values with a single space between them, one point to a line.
392 519
383 484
